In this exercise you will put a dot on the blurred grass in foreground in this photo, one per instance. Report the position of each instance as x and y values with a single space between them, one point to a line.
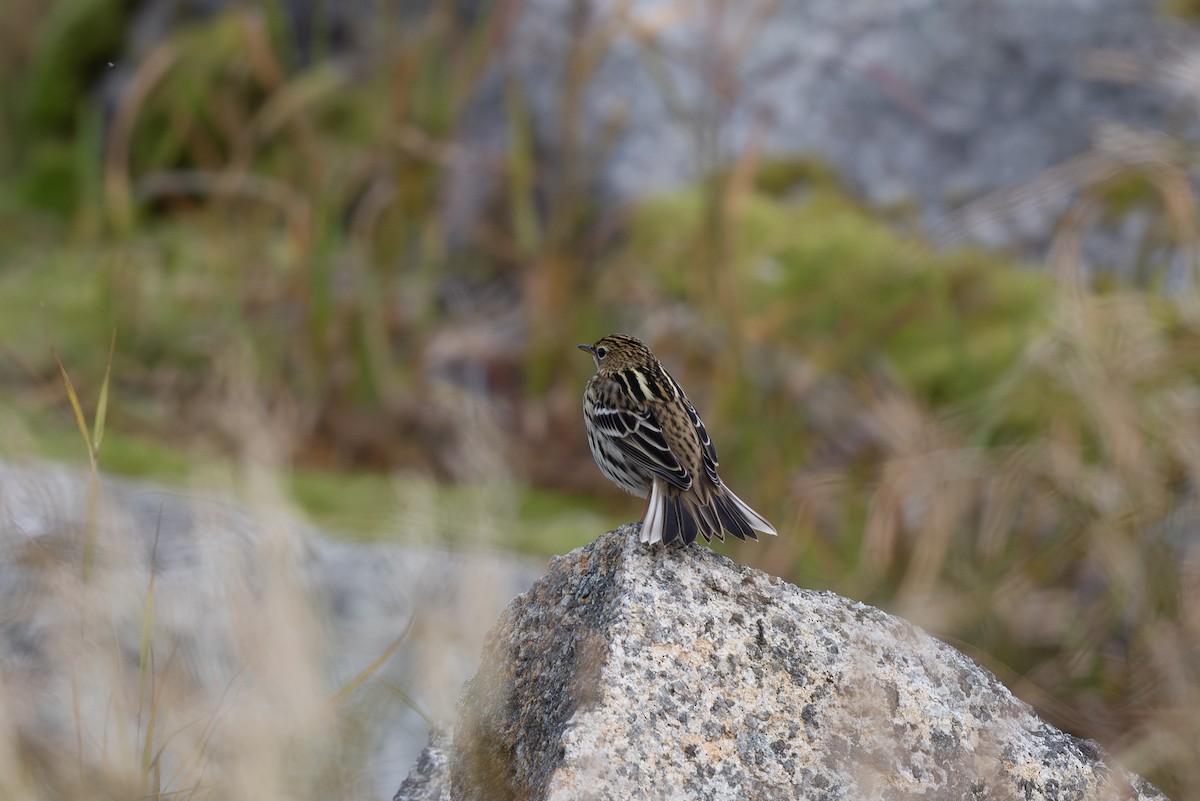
1010 461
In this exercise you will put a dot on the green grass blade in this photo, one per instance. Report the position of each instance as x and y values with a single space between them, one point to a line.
74 398
366 673
102 403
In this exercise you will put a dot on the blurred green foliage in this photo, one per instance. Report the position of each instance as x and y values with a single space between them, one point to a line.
56 116
1187 10
837 280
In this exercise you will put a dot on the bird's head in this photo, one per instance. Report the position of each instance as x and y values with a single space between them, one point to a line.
617 352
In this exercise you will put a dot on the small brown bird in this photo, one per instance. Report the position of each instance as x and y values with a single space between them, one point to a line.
646 436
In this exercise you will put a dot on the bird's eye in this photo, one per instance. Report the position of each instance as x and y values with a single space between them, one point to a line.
601 352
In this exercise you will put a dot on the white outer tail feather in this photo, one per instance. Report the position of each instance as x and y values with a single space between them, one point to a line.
756 521
652 523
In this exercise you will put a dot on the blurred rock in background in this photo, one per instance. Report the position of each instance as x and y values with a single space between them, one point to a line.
920 105
222 642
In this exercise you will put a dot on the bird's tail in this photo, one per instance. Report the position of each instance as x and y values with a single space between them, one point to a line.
671 514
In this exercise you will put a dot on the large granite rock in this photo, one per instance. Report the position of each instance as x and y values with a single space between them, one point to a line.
630 672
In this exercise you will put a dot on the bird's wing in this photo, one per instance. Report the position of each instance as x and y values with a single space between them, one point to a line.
708 450
639 436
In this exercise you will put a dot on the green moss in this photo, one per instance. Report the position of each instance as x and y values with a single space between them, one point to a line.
782 178
358 504
1186 10
353 504
49 180
52 434
552 522
841 285
1124 193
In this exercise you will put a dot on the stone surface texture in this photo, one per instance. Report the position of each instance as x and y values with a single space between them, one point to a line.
635 672
429 779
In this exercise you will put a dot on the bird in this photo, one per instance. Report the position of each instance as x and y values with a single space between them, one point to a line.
647 438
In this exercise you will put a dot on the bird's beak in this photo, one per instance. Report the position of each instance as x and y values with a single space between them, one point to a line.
588 348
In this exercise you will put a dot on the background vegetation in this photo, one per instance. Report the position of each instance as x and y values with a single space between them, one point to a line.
1007 454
